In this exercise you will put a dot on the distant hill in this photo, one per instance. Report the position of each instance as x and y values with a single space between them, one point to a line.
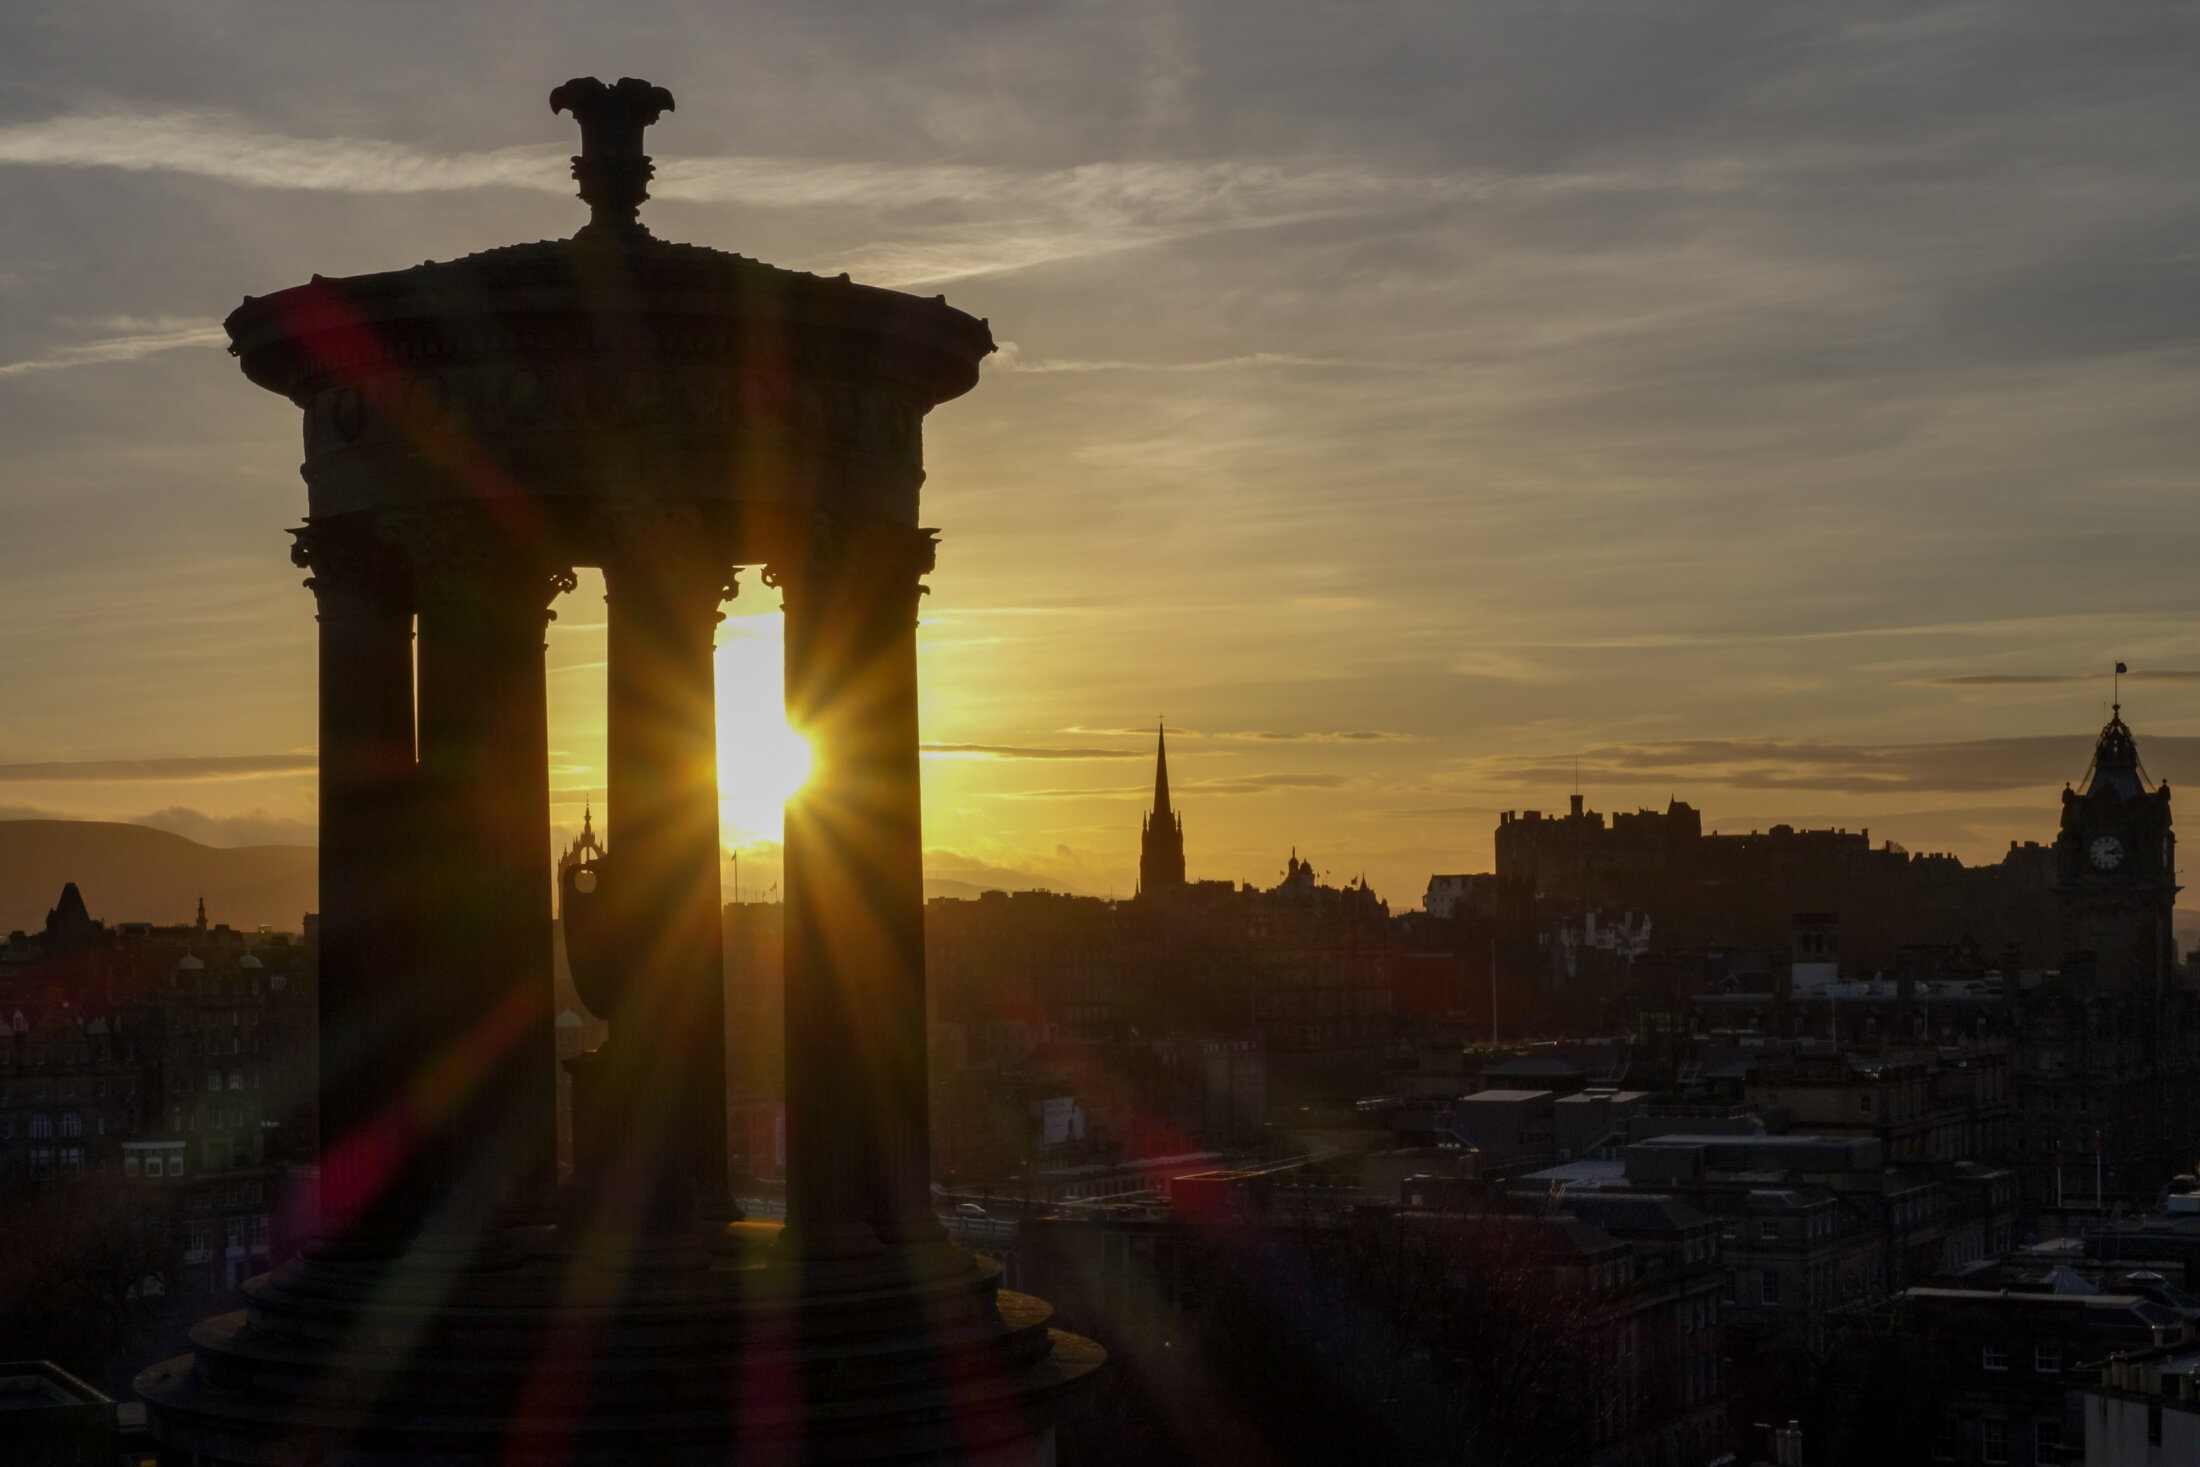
133 873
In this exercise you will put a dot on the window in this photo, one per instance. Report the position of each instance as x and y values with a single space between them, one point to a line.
236 1079
72 1124
2047 1359
129 1163
1944 1445
1726 1289
213 1079
1864 1101
41 1160
1993 1441
1769 1230
175 1163
2047 1443
198 1242
1993 1357
41 1127
259 1232
72 1160
1768 1287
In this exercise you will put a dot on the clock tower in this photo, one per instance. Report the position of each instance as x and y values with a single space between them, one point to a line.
2116 867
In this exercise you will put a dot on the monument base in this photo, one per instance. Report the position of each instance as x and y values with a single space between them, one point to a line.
556 1357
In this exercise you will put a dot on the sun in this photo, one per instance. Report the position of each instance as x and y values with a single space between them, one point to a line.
761 760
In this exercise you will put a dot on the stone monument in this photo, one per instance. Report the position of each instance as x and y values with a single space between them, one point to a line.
474 430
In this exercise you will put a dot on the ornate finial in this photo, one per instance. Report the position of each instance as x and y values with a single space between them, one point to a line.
611 167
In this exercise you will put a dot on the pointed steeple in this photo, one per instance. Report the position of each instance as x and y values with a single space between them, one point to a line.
1161 772
68 923
1161 842
202 914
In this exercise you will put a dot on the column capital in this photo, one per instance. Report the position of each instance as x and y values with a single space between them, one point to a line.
452 549
666 542
346 558
892 556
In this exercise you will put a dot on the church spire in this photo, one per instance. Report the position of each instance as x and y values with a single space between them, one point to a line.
1161 772
1161 842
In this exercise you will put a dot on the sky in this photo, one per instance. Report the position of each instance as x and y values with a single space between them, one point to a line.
1422 406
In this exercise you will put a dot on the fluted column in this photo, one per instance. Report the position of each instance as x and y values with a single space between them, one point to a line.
663 588
858 1136
370 1187
487 1085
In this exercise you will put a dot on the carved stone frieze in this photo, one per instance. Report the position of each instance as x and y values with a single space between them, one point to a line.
407 408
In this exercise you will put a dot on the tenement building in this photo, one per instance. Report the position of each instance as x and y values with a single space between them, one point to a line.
172 1060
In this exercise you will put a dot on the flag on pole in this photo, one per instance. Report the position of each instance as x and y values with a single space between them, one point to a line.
2121 668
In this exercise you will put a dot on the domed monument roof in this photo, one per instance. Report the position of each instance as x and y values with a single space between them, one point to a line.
612 363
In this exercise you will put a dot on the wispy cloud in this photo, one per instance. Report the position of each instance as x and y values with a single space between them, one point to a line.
259 828
1857 769
2031 679
126 771
1010 358
1014 751
1249 784
1001 218
1346 736
1261 784
135 339
215 145
1258 735
1088 792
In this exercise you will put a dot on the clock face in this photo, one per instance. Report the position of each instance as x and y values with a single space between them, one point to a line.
2106 852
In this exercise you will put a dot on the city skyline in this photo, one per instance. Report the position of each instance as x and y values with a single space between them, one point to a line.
1764 428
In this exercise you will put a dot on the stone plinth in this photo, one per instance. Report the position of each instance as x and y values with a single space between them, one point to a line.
570 1362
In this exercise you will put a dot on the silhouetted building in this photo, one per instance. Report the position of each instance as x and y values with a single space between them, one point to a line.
69 925
1693 891
2106 1063
2116 869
